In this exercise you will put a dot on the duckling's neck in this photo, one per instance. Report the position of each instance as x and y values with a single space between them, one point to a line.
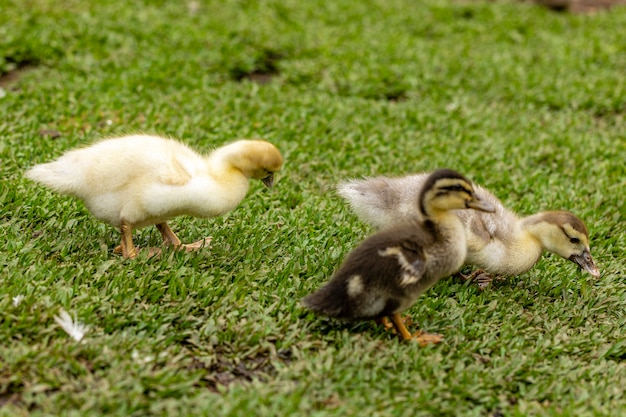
443 220
540 229
523 250
450 244
220 165
511 250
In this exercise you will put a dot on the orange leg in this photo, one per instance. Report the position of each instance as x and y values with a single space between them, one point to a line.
170 238
128 250
127 247
384 321
398 323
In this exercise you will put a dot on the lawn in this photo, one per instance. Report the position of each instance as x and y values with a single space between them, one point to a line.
525 101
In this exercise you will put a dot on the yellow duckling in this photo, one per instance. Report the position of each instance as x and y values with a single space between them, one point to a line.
139 180
388 271
499 243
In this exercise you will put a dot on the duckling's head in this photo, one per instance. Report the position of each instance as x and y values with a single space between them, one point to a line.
563 233
446 189
256 159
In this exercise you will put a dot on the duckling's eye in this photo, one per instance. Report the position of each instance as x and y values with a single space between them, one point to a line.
574 240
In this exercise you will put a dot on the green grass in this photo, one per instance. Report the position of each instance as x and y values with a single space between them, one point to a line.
529 103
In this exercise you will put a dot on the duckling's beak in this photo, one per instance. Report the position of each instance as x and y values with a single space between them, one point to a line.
477 203
585 262
269 180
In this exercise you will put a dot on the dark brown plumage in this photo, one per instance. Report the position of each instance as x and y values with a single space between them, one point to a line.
363 268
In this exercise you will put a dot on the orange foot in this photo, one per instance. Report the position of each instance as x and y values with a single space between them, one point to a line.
425 339
398 325
170 239
190 247
204 243
151 251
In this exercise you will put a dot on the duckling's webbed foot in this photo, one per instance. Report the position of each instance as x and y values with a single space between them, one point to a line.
384 321
482 278
126 248
170 239
425 339
398 325
151 251
202 243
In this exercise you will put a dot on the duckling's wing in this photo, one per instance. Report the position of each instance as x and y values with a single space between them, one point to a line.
410 258
479 226
175 171
414 253
142 160
483 227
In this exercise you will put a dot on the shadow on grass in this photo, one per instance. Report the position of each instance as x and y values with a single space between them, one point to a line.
13 69
263 70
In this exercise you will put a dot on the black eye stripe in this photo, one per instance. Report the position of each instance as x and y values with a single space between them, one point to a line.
456 187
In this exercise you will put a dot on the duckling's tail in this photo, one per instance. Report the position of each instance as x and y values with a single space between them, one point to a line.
370 200
54 176
326 301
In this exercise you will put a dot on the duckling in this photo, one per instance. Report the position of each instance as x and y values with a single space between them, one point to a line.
500 243
136 181
388 271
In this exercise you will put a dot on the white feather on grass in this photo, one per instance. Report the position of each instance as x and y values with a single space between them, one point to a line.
136 356
17 300
71 326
